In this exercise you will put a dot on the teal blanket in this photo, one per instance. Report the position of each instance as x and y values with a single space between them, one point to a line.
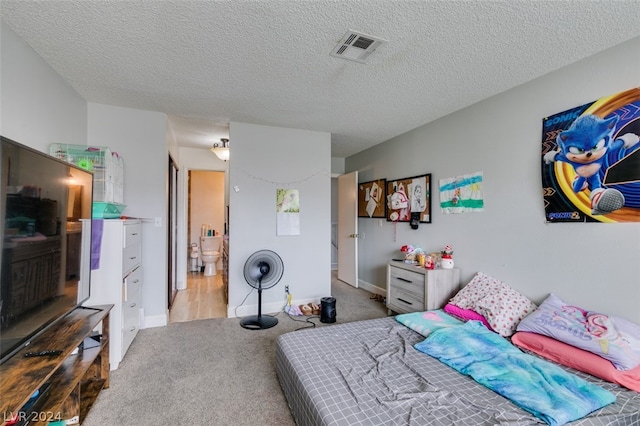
540 387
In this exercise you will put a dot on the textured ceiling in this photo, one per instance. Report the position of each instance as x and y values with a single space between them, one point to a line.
206 63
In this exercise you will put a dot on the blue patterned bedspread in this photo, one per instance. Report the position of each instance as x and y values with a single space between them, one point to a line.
540 387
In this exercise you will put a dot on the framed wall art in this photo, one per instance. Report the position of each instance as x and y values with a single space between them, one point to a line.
372 199
590 161
409 195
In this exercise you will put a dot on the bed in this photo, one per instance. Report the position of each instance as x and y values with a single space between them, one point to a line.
369 373
491 356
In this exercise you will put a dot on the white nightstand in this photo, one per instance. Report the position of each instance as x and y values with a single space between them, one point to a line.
412 288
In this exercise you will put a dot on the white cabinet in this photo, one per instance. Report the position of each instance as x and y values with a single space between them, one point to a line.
118 281
412 288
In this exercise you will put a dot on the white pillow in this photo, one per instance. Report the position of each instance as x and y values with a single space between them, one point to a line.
613 338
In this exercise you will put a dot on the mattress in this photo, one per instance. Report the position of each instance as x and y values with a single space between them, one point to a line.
368 373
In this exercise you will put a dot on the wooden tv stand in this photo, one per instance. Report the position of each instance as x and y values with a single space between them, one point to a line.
74 380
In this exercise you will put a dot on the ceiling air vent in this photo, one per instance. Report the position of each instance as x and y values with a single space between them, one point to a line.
357 47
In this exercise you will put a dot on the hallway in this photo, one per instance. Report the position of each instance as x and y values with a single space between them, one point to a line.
203 299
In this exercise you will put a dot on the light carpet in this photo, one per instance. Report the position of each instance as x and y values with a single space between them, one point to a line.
211 372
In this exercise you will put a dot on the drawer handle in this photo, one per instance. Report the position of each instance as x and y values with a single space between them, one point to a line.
133 258
404 279
134 234
402 300
132 328
133 305
136 281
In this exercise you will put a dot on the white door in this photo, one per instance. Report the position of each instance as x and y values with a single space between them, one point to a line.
348 228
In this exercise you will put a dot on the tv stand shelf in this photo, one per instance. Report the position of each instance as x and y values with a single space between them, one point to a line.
74 380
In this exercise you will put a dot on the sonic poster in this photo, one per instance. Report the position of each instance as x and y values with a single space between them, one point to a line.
591 161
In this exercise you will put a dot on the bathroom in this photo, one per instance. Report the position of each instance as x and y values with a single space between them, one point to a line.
204 296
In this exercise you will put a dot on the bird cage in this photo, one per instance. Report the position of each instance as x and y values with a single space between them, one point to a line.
108 173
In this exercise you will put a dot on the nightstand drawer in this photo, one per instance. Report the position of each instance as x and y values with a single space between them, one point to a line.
401 301
407 281
415 289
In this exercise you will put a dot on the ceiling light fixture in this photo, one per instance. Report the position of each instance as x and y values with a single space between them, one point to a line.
221 151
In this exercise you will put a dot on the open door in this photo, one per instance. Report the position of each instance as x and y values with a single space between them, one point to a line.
348 228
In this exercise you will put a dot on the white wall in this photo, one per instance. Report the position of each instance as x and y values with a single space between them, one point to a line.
37 107
140 137
337 166
594 265
264 159
172 143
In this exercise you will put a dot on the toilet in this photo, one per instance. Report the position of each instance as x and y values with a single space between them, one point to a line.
210 253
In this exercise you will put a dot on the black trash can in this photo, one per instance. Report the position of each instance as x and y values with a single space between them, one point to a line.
328 309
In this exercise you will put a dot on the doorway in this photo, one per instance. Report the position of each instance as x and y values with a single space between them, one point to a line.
204 296
172 218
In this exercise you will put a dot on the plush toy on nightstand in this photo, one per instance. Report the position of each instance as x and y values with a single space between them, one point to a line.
409 253
429 262
447 258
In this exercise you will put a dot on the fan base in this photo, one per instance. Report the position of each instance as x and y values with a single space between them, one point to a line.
258 322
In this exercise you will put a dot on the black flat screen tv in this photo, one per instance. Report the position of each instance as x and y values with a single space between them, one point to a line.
45 228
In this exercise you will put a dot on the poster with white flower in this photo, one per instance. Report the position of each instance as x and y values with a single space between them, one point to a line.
287 212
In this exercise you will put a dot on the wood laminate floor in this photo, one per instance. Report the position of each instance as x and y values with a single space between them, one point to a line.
202 299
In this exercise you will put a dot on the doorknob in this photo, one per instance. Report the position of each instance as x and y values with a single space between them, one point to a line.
354 235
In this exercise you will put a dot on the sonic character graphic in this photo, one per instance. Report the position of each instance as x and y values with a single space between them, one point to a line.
583 145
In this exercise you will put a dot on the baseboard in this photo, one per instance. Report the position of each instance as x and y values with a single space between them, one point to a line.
371 288
267 308
152 321
246 310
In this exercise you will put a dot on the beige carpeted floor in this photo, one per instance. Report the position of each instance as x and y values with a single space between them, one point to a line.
211 372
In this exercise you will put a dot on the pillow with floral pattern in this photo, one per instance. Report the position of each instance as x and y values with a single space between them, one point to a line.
502 306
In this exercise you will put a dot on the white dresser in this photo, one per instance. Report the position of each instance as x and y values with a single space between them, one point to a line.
412 288
118 281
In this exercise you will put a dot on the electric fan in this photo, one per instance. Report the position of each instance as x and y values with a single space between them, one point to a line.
262 270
